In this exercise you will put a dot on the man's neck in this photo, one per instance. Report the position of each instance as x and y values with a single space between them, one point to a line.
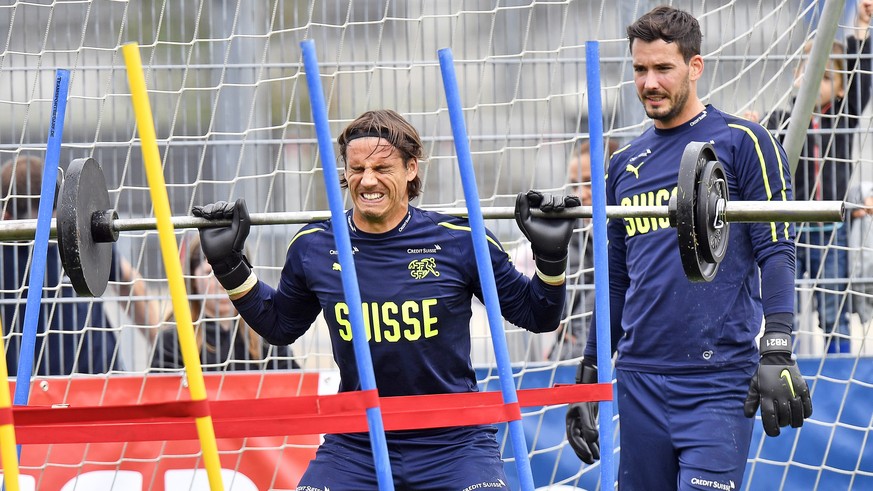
691 110
370 226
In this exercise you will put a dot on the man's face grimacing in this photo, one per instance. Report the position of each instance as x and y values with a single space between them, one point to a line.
665 82
377 179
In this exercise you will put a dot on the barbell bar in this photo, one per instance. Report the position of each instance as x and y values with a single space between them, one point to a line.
86 226
734 211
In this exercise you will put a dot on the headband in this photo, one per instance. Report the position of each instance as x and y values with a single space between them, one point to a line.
369 133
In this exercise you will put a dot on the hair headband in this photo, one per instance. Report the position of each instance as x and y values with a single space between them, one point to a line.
369 133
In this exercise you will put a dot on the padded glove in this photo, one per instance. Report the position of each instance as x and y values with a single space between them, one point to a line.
582 432
223 246
778 386
549 237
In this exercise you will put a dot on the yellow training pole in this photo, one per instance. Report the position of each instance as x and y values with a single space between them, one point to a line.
8 450
170 252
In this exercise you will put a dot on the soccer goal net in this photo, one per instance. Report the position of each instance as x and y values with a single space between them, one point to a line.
233 119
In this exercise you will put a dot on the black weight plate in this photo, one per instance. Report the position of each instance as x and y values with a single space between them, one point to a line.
694 158
712 188
86 262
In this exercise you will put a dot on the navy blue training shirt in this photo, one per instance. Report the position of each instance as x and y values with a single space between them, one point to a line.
663 322
417 282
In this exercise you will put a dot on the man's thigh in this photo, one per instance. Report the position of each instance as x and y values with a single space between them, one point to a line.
648 460
339 466
683 431
711 432
459 459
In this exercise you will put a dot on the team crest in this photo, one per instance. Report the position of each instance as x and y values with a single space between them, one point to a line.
419 268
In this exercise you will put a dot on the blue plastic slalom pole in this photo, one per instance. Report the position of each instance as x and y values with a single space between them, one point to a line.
483 264
33 306
601 265
347 264
41 239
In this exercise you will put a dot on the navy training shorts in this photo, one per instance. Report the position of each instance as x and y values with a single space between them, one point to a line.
683 431
448 459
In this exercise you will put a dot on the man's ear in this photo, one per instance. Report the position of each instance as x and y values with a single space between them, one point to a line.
411 169
695 64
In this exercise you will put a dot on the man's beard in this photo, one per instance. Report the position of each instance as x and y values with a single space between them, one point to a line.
678 105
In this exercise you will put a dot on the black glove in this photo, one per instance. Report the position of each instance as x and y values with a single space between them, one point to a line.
778 387
223 246
549 237
582 432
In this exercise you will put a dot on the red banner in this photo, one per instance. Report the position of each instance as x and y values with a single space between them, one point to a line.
248 464
130 433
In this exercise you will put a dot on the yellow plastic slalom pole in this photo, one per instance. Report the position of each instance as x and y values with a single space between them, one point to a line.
8 450
172 263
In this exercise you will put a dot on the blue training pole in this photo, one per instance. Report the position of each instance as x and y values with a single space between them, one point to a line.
41 239
601 265
347 264
483 263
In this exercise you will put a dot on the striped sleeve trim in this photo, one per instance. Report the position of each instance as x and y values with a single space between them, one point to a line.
452 226
301 234
764 176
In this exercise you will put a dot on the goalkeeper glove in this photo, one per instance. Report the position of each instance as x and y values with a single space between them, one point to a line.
778 386
223 246
549 237
582 432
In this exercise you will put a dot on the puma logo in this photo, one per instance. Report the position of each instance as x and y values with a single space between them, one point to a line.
635 170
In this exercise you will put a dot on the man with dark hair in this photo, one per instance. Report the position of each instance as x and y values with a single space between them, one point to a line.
72 337
418 274
689 376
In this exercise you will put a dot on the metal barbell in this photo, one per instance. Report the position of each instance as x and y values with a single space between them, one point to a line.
734 211
86 226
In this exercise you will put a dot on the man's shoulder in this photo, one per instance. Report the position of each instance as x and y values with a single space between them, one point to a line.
317 226
440 219
737 122
451 228
732 133
634 148
312 232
